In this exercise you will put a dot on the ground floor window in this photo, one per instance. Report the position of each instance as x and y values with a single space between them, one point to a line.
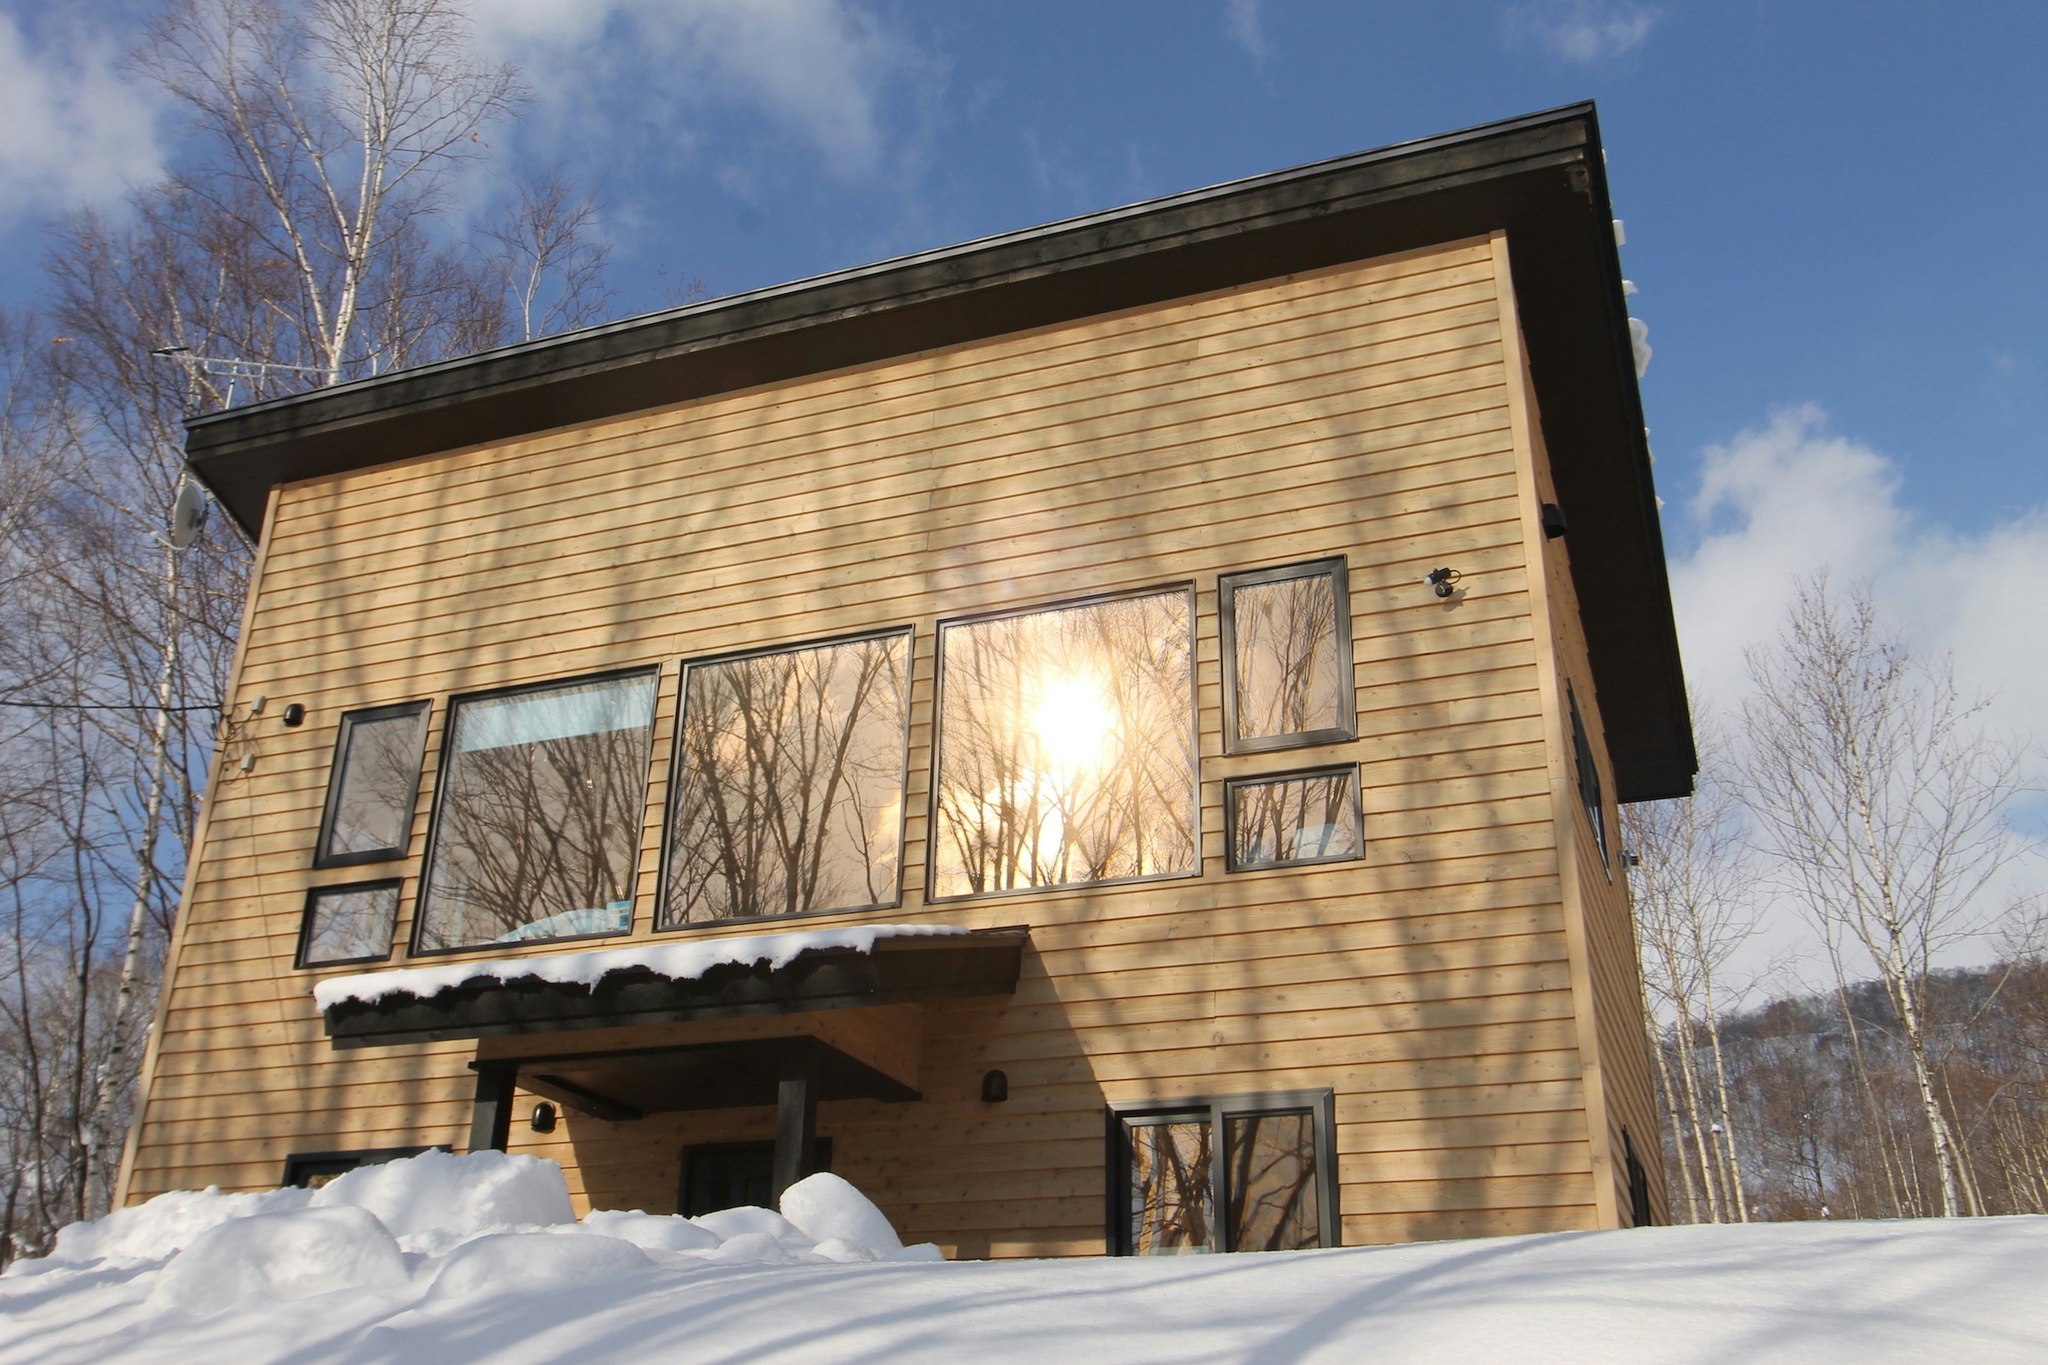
311 1170
1232 1173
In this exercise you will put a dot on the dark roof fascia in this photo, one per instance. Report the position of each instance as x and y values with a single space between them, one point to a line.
1539 178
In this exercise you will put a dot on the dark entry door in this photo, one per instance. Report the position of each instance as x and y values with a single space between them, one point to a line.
726 1175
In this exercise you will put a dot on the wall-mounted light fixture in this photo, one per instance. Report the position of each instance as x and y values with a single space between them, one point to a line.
995 1087
1443 582
1553 521
295 715
543 1120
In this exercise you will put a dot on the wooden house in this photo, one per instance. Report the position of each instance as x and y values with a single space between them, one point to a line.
1105 736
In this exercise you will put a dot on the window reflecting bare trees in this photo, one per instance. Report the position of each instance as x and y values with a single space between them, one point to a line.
349 923
1297 818
1287 644
376 777
789 780
1268 1181
1066 747
538 831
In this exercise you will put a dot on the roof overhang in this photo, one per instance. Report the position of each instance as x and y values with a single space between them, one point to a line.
894 971
1539 179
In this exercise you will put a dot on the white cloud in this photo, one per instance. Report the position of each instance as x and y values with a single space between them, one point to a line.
1583 31
73 130
1241 20
1794 496
828 71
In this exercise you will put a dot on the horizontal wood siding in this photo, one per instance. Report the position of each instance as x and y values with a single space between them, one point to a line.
1360 412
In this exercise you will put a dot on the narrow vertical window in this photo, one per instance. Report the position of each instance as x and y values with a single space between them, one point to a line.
372 785
1294 818
788 790
537 824
348 923
1287 657
1244 1173
1066 747
1590 794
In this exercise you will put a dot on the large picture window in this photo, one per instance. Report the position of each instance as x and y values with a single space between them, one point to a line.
788 791
1247 1173
1066 747
537 828
372 786
1287 657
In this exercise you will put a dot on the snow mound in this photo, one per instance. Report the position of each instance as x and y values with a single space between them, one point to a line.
649 1231
290 1255
825 1208
161 1227
441 1199
531 1263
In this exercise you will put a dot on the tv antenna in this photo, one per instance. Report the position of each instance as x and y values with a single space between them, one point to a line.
230 368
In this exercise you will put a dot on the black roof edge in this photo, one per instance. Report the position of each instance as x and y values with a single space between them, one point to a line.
1540 177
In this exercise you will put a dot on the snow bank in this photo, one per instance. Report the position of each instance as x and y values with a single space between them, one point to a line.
320 1279
435 1196
682 960
291 1255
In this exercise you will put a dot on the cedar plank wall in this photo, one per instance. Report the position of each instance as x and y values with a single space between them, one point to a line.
1361 410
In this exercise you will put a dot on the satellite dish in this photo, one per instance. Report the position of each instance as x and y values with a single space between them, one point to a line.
188 514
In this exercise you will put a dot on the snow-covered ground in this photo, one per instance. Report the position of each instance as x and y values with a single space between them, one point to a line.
445 1259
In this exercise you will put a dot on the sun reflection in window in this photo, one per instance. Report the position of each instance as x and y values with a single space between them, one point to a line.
1067 752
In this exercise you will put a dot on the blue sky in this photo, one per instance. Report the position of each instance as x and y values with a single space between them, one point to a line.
1834 216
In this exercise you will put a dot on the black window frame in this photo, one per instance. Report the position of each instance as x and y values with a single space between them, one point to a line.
395 885
1232 785
1592 796
1227 586
442 772
339 770
302 1167
1217 1110
675 769
1186 587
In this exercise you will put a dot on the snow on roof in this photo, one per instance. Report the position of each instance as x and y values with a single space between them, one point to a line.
478 1259
675 959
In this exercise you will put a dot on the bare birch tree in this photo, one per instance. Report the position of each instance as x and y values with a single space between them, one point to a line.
1693 915
1880 796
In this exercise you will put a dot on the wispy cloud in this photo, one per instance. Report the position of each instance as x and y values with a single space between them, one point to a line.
1583 31
1241 21
841 80
73 129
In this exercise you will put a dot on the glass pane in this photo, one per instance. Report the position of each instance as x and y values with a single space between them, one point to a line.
1289 677
1306 819
350 923
1270 1182
789 783
1067 747
539 825
1172 1205
380 768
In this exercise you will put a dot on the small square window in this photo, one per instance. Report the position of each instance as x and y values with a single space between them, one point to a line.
372 786
1269 1186
348 923
1286 657
1289 819
1591 796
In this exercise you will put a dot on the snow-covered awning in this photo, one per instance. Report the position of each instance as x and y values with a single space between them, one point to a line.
670 981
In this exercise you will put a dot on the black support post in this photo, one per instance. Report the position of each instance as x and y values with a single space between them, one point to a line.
490 1120
796 1117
